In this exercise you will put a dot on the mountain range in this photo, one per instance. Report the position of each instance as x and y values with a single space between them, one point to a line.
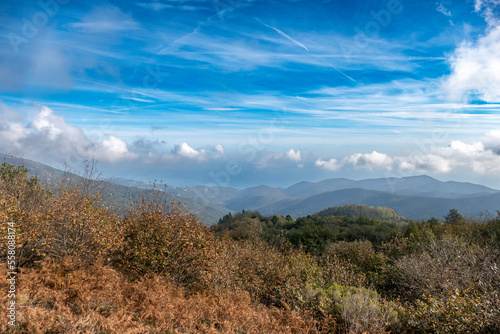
416 197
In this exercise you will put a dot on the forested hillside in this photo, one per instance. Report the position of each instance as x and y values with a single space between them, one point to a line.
156 269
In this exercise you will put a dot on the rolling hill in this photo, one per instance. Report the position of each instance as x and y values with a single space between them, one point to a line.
359 210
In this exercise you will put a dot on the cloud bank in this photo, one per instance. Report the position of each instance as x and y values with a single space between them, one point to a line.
482 157
47 136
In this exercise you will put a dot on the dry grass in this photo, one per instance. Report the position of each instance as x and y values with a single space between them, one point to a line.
58 298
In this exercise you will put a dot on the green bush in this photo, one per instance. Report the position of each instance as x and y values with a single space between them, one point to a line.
464 311
360 310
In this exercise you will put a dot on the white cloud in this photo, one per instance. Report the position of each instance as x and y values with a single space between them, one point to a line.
218 152
278 159
487 9
369 160
443 10
424 163
48 136
285 35
293 155
475 67
492 141
112 149
331 164
481 157
476 156
108 19
51 125
219 148
186 151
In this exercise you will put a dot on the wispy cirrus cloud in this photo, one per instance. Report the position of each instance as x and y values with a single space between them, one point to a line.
106 19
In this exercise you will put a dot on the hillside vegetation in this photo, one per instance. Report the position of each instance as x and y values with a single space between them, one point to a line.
359 210
156 269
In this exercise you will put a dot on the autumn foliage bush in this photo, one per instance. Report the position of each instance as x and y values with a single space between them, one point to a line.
165 240
67 222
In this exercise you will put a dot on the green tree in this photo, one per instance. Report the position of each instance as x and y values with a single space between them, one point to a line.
453 217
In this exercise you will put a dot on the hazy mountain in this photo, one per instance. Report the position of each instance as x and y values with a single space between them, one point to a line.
414 207
255 197
119 195
209 194
415 185
418 197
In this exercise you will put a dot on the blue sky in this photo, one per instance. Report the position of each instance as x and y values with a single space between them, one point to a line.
241 93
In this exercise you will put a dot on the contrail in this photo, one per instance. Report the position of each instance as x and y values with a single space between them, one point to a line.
305 48
348 77
285 35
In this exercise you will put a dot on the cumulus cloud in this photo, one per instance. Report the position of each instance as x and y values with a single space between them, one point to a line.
112 149
492 141
482 157
48 136
185 151
219 148
423 163
475 67
370 160
477 156
278 159
331 164
218 151
293 155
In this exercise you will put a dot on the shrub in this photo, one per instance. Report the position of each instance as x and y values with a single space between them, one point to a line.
275 278
360 310
445 265
163 239
74 225
340 271
453 285
464 311
25 189
67 223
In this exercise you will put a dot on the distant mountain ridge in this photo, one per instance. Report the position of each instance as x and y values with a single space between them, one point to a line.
412 185
415 197
409 206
